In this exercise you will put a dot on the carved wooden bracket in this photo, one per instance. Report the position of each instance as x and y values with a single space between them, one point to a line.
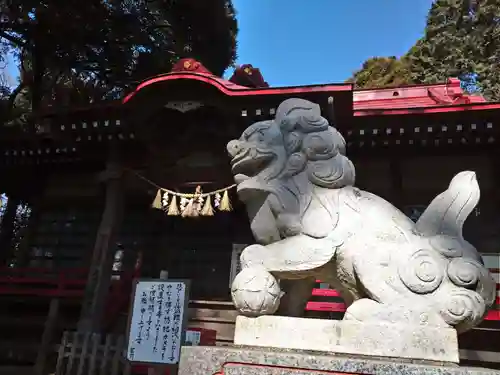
184 106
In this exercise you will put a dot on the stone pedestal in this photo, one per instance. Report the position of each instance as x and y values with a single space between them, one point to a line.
349 337
239 360
274 345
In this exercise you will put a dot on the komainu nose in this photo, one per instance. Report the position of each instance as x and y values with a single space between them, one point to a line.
234 147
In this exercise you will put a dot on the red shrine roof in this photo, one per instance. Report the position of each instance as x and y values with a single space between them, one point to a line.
188 69
193 70
416 96
248 81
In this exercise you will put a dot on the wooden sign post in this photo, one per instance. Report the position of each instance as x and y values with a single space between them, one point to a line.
157 323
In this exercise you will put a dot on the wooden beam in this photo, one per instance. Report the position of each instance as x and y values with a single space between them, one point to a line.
480 356
99 276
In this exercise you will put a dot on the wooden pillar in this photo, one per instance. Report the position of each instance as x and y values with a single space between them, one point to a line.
99 277
47 337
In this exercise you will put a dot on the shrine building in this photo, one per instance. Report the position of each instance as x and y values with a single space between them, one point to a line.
78 223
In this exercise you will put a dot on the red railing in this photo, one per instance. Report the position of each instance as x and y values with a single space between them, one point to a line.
68 283
43 282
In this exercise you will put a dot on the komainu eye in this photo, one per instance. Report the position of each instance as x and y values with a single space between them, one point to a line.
258 136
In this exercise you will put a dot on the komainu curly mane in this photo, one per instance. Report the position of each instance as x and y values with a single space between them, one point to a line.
312 143
281 155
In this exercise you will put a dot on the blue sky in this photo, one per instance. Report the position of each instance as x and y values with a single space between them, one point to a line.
12 71
299 42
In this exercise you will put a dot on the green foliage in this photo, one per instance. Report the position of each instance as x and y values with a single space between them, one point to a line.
445 49
486 46
203 30
462 39
382 72
75 52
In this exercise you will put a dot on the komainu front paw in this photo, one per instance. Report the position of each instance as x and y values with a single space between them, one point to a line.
256 292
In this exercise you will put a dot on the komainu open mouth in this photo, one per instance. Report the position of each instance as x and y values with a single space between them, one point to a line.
250 165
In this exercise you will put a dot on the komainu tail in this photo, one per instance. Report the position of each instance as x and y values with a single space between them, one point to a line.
465 302
447 212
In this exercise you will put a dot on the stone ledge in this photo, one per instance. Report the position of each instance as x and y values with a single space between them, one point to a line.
238 360
349 337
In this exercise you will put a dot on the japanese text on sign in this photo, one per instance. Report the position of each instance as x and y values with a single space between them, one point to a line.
156 324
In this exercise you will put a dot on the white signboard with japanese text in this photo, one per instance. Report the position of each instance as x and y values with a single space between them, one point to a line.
157 321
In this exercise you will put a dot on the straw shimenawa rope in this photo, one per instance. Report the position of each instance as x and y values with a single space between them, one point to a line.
192 205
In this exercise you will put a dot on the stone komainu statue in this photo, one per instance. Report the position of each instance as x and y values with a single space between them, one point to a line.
311 223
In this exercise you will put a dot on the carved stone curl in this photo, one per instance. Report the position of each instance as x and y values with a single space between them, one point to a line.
423 272
311 223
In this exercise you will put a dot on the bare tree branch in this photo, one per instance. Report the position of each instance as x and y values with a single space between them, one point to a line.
17 41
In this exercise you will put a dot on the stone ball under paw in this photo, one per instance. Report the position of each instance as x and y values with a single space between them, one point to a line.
255 292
